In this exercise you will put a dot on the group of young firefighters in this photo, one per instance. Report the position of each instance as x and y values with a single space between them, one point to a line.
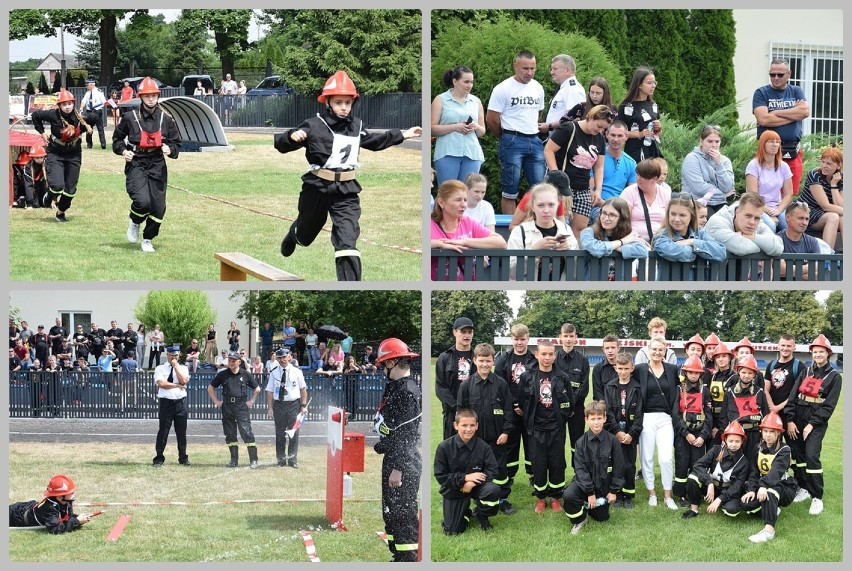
742 442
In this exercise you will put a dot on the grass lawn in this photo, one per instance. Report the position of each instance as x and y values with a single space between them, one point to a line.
195 532
645 533
238 201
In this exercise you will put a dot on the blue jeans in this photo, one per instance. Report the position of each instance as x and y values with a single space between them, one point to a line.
519 153
454 168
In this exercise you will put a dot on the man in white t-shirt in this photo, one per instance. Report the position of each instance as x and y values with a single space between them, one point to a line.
513 117
571 92
228 89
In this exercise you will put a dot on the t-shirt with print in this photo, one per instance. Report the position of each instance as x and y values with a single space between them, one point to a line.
545 413
518 104
582 154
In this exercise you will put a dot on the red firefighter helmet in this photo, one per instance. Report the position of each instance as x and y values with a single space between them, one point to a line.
693 364
37 152
694 339
148 87
734 428
821 341
747 362
722 349
773 421
712 339
23 158
393 348
744 342
338 84
64 96
60 485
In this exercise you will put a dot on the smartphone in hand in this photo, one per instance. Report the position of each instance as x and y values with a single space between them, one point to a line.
469 120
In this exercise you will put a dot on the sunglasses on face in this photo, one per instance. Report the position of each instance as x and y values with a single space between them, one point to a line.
777 75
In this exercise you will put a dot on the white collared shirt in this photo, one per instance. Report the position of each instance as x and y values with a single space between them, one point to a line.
293 380
161 373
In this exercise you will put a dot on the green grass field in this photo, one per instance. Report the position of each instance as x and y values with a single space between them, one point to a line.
645 533
238 201
245 532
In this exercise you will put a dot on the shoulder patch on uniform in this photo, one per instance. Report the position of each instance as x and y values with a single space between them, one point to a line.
572 81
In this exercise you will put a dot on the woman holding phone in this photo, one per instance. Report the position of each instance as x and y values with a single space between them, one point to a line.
458 120
541 231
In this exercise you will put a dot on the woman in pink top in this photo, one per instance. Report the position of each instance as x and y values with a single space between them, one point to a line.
655 196
770 177
452 230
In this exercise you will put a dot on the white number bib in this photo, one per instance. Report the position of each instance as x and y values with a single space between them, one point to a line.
344 151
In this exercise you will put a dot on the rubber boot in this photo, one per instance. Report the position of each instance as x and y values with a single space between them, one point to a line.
235 457
252 450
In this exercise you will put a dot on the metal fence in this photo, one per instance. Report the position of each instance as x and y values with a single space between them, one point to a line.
383 111
578 265
95 394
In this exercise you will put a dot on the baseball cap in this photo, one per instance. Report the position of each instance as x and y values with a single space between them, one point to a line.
234 355
462 322
173 350
561 181
282 352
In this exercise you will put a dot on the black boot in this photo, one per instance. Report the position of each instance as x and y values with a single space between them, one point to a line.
235 457
252 450
288 244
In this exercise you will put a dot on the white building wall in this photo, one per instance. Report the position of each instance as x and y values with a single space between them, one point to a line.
756 29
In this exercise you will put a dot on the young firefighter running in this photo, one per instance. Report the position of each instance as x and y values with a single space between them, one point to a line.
65 150
144 137
332 140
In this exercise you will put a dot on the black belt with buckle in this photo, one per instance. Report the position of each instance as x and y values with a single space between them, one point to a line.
518 133
235 399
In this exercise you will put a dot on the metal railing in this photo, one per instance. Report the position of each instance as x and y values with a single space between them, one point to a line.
578 265
95 394
383 111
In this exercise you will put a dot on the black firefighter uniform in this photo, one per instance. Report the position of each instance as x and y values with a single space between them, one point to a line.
329 187
398 424
144 133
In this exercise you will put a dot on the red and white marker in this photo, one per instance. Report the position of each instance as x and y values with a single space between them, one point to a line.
310 548
383 536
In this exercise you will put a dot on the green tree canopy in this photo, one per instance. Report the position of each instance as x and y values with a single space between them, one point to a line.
182 314
230 31
489 311
379 49
368 315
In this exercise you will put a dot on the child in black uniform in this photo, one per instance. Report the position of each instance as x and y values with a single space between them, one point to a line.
465 467
692 426
55 512
145 137
65 151
624 407
332 140
719 476
598 471
745 402
34 179
546 403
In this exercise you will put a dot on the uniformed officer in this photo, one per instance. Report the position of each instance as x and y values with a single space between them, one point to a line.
55 511
65 126
236 383
93 102
332 140
286 397
144 137
171 379
398 424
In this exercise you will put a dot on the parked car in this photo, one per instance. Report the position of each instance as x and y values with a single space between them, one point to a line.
134 83
272 85
189 82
